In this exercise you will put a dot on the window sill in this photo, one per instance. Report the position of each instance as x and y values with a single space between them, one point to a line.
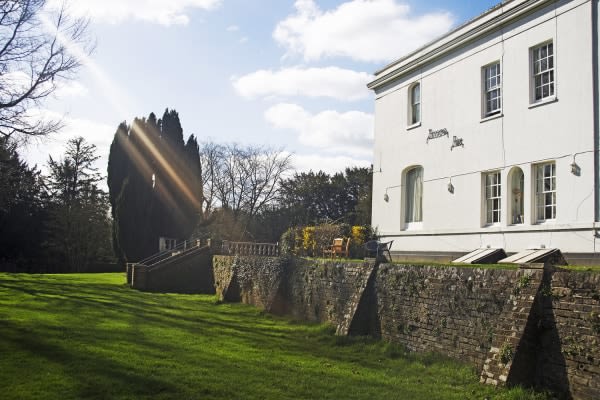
546 221
413 126
491 117
413 226
492 225
542 102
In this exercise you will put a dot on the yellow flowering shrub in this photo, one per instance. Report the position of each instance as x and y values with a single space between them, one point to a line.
308 240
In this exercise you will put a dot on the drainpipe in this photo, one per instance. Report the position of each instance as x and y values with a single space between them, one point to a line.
596 74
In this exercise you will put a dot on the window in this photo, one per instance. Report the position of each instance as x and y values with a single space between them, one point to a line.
492 78
543 71
516 192
545 191
493 194
166 243
414 102
414 195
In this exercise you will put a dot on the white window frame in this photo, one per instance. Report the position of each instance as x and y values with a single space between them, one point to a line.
543 72
492 89
492 197
516 192
414 120
410 192
545 191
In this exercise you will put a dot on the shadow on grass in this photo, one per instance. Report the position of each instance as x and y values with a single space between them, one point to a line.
92 337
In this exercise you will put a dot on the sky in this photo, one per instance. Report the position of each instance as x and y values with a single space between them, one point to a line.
290 75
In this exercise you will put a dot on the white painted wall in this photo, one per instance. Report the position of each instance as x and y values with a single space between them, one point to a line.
451 93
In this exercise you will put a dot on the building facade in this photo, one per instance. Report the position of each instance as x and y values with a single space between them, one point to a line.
488 136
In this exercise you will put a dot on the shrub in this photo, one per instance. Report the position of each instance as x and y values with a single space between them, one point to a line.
310 240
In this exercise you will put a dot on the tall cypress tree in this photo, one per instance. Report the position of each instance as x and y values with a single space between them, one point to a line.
155 184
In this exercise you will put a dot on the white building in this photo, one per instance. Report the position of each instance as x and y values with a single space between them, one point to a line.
488 136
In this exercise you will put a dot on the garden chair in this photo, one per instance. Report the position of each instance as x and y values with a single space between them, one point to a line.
377 249
337 248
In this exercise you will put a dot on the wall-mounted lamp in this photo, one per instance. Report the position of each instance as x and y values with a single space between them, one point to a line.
575 169
450 186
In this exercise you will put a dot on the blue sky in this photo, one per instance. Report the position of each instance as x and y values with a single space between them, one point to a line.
286 74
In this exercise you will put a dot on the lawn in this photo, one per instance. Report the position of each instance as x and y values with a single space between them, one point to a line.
91 337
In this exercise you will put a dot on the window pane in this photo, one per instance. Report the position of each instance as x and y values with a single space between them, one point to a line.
416 113
414 195
543 71
492 92
416 95
546 191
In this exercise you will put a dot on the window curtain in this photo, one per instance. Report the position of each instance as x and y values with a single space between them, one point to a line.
414 195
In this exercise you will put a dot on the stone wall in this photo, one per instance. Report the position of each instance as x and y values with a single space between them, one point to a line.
531 326
453 311
570 334
310 290
251 280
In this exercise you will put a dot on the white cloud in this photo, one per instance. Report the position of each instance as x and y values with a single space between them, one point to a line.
19 82
327 164
233 28
364 30
172 12
350 132
244 39
71 89
338 83
100 134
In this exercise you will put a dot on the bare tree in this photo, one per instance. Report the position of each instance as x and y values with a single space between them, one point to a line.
241 179
264 168
210 159
35 55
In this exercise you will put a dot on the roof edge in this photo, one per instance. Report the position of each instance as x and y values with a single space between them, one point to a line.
440 46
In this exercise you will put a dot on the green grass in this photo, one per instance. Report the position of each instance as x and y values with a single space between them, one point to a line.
456 265
91 337
581 268
422 263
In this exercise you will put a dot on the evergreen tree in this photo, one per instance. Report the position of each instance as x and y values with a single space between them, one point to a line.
155 185
77 228
21 210
311 198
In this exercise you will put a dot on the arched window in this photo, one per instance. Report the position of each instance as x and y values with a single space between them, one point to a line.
516 191
414 104
414 195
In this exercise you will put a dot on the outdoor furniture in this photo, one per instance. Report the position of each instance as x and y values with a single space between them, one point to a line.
340 247
377 249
